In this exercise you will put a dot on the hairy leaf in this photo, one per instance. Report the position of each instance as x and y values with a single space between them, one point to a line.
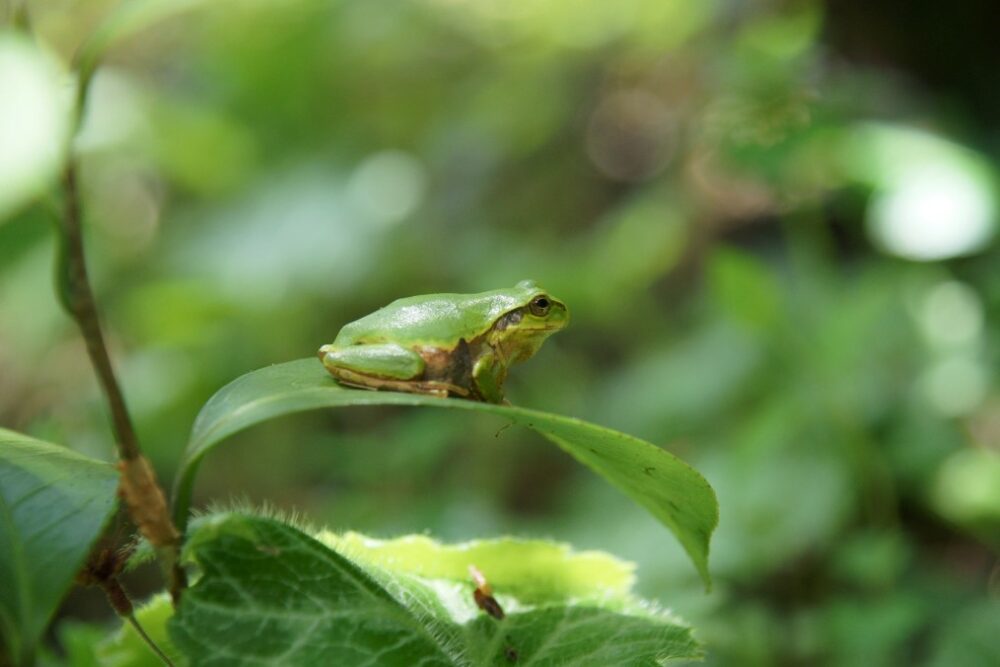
270 593
670 489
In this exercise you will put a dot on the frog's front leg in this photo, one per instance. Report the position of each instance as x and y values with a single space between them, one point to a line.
488 376
383 366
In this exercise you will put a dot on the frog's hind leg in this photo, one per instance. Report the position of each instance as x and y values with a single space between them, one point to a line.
431 387
384 366
388 361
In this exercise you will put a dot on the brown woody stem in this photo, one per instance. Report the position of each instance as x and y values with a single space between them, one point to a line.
142 494
122 605
80 302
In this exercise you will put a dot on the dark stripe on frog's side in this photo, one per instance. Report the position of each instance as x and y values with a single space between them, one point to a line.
451 366
455 366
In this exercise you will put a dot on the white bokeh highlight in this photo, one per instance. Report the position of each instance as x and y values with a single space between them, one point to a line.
932 199
388 186
34 121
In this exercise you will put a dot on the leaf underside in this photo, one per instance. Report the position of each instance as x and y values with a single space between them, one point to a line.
674 492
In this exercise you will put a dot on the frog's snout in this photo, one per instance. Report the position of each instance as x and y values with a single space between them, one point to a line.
323 350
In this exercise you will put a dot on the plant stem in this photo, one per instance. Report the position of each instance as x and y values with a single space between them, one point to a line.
80 301
138 487
149 641
122 604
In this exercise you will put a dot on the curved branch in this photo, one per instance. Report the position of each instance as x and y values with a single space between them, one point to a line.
79 300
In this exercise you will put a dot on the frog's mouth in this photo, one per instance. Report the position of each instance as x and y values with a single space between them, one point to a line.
541 330
545 327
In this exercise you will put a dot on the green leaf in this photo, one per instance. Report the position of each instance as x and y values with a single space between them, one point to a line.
270 593
53 504
670 489
34 121
970 636
742 285
555 572
90 645
129 18
126 648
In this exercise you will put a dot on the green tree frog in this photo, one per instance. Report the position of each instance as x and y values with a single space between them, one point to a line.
446 344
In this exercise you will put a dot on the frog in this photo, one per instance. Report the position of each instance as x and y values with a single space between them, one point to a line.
446 345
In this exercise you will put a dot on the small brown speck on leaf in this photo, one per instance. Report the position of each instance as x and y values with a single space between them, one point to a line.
483 595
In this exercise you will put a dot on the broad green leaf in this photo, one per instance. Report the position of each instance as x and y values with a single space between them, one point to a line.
271 594
53 503
670 489
34 121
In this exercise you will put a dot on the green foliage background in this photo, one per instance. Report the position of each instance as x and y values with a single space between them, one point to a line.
708 185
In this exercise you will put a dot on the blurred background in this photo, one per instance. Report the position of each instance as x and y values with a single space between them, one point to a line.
774 223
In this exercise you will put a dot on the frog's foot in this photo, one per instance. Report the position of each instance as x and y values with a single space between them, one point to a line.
374 383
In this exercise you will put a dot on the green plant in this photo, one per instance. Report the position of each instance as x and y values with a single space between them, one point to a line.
265 588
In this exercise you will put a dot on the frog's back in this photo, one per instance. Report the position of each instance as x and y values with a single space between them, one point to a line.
434 319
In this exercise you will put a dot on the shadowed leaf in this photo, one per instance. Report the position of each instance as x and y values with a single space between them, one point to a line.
53 503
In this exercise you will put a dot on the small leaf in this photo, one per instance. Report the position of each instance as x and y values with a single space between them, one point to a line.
671 490
90 645
126 648
128 19
270 593
34 121
53 504
744 288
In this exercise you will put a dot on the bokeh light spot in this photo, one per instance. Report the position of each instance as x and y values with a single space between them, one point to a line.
967 487
933 199
934 213
114 112
631 136
388 186
955 386
951 314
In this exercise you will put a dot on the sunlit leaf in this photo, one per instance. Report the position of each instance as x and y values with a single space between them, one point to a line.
666 486
34 121
53 503
555 571
269 592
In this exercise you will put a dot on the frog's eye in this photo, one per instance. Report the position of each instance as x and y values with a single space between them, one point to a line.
540 306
